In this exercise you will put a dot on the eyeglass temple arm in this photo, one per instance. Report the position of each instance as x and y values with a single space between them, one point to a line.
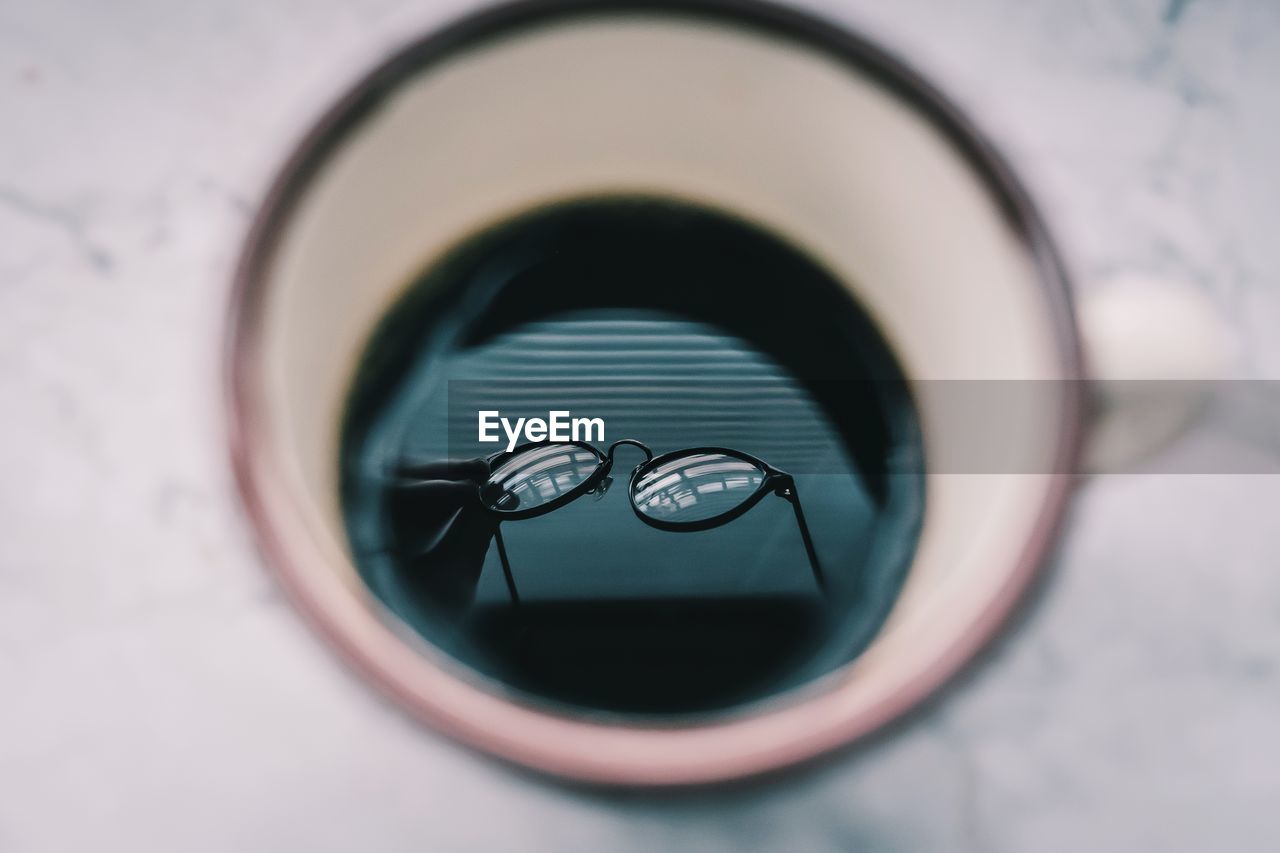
787 490
506 566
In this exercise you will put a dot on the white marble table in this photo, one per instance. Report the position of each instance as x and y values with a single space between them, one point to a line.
156 693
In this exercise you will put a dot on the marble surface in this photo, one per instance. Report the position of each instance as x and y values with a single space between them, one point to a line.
156 693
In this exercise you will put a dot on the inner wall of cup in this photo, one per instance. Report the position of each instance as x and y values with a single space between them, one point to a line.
729 119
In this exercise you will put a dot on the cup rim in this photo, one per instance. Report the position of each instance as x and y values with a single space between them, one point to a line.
577 749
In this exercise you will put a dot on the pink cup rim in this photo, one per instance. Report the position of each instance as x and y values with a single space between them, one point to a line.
569 748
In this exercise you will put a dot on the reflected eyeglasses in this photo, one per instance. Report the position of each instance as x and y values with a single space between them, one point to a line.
683 491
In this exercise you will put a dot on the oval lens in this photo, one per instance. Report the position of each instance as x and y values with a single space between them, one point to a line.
695 487
534 477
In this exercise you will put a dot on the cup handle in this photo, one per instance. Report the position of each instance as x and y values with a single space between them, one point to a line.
1152 348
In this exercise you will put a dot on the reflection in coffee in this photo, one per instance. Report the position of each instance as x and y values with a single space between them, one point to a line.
683 328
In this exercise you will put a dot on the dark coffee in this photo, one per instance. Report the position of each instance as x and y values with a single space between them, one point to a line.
680 328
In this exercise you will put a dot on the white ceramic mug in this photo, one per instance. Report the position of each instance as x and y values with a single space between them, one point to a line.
767 113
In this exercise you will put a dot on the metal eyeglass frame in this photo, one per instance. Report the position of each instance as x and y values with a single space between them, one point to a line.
776 481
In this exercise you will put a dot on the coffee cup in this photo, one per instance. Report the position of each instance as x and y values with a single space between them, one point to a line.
780 118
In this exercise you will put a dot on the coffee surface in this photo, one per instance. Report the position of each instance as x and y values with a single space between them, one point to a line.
679 327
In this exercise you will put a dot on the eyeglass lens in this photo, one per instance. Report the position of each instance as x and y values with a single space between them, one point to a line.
696 487
537 476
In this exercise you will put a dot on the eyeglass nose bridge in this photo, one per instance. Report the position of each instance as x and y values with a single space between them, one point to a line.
648 454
